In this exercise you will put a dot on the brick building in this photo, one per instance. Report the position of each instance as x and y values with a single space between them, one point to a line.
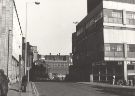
57 65
104 43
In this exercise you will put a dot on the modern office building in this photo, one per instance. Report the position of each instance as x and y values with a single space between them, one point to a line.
104 42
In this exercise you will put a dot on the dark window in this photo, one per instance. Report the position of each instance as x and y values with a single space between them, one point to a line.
130 67
131 48
114 47
64 58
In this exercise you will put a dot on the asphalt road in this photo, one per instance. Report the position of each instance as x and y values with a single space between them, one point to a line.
76 89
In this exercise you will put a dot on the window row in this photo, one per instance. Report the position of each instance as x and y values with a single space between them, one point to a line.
113 16
119 47
116 16
113 20
124 1
58 65
114 47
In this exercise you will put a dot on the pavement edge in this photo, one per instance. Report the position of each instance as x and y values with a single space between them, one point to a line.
34 89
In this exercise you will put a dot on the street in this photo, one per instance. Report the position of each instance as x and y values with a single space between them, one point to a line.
76 89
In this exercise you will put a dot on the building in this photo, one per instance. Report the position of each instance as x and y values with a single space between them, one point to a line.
104 43
57 66
10 39
35 53
6 33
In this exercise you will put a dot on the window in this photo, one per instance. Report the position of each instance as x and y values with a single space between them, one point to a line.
130 18
119 47
113 16
114 47
107 47
130 67
64 58
131 48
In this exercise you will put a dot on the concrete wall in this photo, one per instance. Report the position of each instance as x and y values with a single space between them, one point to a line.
6 22
118 5
119 36
17 37
91 4
10 39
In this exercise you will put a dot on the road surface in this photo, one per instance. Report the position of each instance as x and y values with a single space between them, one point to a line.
76 89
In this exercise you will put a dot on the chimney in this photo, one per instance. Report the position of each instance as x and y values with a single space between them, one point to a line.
50 53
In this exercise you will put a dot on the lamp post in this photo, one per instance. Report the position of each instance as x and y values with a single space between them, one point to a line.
26 65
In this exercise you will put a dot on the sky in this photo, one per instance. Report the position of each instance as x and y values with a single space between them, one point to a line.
50 24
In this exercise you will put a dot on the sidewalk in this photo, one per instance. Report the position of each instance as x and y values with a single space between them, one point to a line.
116 89
107 85
14 90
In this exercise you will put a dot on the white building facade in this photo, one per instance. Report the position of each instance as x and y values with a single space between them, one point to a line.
119 32
10 40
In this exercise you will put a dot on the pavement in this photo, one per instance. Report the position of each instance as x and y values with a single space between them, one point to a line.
119 89
14 90
107 85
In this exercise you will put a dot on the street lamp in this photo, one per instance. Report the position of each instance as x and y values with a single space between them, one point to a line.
37 3
27 67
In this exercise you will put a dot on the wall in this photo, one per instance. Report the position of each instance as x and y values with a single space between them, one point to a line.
91 4
6 22
119 36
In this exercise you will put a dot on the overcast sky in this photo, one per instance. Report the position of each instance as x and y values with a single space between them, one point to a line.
50 24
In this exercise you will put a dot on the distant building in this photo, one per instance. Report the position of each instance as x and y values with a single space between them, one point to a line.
29 55
42 57
104 43
57 65
35 53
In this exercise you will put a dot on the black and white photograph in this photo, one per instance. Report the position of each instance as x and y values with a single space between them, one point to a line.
67 47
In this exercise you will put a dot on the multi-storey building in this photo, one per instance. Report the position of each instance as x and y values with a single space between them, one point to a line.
10 39
6 32
104 43
57 65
